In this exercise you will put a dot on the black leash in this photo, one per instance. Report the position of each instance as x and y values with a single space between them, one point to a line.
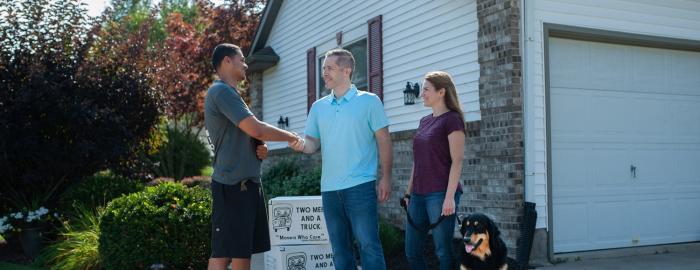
410 220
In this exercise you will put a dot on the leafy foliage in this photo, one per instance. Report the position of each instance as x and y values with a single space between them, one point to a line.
182 155
288 178
72 100
96 191
76 248
168 223
392 239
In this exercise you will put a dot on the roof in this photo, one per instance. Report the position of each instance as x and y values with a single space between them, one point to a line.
262 57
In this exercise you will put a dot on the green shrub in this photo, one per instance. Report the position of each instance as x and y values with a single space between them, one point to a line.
96 191
168 224
182 154
76 248
207 171
307 182
288 178
392 239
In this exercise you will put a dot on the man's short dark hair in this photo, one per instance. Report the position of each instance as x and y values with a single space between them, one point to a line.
345 58
222 50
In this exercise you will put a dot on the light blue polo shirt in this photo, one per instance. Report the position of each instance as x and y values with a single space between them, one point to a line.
346 130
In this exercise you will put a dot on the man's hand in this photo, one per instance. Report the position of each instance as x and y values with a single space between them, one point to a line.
384 190
298 145
261 151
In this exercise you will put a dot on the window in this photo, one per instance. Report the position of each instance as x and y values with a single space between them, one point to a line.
359 75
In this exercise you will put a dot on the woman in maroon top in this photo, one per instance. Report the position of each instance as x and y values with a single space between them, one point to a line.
434 188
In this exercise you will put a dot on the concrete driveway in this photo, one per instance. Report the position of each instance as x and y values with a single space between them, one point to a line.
682 260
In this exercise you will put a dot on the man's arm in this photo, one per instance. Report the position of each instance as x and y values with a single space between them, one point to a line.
385 157
265 132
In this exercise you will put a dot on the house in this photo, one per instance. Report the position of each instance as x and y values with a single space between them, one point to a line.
590 109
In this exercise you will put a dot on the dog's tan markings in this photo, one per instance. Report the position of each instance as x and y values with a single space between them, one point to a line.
467 222
484 250
464 268
476 223
504 267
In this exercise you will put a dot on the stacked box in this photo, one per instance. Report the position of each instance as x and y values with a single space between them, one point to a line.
297 221
298 234
299 257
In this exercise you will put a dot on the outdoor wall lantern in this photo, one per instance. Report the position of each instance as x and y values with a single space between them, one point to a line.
283 122
411 93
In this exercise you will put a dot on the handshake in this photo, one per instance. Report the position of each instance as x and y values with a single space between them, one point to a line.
298 144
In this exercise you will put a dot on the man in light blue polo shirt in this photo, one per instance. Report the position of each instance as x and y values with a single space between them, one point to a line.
351 128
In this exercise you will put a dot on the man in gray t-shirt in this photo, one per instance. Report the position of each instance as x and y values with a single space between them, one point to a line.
239 218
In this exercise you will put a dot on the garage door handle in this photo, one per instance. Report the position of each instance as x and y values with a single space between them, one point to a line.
633 171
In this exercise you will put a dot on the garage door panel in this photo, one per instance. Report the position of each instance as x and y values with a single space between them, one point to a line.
572 228
569 121
615 61
614 107
652 215
649 69
609 170
685 118
654 169
686 169
611 109
570 178
568 73
687 221
648 112
683 63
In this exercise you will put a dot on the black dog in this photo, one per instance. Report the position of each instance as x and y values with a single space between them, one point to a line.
483 247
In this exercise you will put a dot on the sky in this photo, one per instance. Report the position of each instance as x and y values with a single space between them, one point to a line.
95 7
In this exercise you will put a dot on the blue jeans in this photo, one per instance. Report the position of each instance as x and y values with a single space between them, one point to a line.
353 212
425 209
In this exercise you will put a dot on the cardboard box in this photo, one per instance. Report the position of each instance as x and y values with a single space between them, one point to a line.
297 221
299 257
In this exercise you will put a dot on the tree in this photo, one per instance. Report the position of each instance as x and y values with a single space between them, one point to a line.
73 100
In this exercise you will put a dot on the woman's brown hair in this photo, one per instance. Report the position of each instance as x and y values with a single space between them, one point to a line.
441 79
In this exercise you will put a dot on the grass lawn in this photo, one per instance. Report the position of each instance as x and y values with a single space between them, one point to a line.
9 266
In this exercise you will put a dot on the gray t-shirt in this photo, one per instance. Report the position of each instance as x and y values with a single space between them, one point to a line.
234 151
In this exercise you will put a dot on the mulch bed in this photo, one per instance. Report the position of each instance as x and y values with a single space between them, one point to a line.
397 260
12 253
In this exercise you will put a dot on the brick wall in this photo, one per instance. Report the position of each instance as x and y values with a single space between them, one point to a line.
499 172
255 92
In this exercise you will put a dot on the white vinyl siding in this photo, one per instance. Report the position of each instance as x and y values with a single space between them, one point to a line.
418 37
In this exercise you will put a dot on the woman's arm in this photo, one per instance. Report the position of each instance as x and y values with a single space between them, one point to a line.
410 185
456 141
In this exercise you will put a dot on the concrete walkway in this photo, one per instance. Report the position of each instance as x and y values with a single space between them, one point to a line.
257 262
672 260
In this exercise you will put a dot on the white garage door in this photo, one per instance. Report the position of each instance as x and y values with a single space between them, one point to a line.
625 138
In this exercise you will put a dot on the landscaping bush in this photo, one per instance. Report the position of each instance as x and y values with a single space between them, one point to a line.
168 224
392 239
305 183
96 191
76 248
181 155
288 178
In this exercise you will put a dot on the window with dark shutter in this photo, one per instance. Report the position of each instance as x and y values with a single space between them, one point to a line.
375 69
310 78
359 76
